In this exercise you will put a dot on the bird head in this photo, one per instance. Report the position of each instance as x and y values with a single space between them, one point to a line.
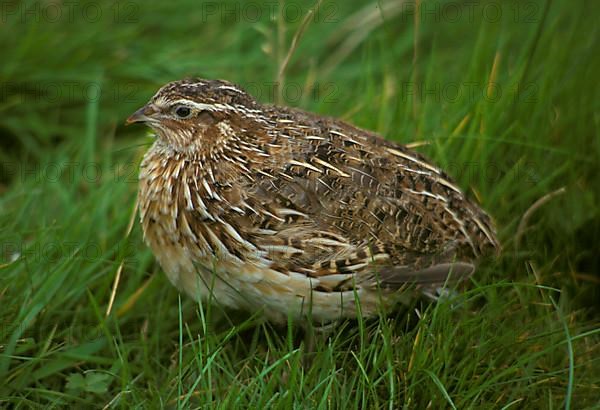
195 115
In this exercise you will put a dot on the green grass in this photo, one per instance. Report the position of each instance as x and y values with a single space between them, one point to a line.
524 334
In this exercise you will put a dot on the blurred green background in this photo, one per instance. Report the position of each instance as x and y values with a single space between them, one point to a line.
504 95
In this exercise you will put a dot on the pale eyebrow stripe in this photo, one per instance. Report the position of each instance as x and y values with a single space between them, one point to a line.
200 106
248 112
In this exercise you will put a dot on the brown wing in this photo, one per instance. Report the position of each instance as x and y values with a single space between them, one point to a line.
344 205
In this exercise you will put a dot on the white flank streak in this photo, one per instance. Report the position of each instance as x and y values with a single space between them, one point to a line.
264 173
244 168
328 187
186 228
375 216
283 174
338 133
212 176
462 228
328 165
202 209
415 171
178 170
413 159
305 165
207 188
485 230
449 185
429 194
188 197
358 171
331 234
245 204
273 216
235 235
286 211
314 137
218 244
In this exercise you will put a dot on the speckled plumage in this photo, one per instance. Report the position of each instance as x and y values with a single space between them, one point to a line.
265 207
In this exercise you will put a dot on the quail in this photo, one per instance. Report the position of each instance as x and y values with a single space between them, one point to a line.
263 207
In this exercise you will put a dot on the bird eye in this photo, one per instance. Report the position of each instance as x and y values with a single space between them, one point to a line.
183 111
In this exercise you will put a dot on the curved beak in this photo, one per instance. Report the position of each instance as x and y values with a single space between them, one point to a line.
142 115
